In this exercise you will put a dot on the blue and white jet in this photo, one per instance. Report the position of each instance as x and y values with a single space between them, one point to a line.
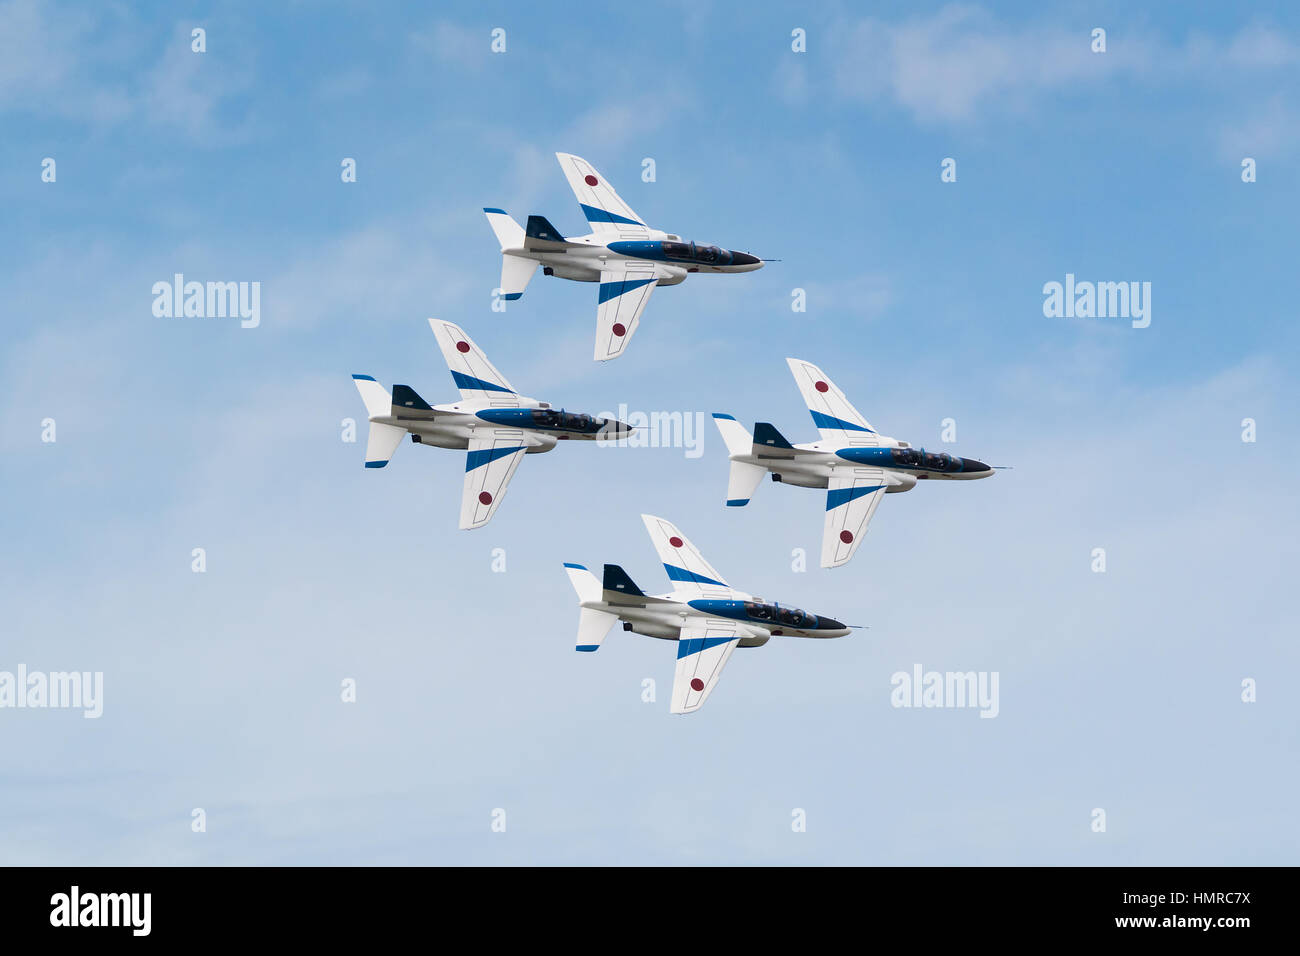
854 462
705 616
493 422
627 257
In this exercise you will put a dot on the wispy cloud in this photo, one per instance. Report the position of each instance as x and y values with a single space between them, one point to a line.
961 62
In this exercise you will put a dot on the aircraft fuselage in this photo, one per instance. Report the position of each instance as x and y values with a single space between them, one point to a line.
811 465
452 425
583 258
662 616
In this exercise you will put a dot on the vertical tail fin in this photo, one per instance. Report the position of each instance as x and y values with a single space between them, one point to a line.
383 438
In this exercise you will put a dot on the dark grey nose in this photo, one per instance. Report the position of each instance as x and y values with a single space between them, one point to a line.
744 259
970 464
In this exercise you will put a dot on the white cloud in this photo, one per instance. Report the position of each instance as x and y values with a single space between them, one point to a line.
960 62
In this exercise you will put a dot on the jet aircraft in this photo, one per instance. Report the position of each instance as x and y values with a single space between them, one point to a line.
705 616
854 462
627 257
493 422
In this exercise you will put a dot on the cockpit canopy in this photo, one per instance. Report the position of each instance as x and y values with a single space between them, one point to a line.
920 458
789 616
566 421
691 252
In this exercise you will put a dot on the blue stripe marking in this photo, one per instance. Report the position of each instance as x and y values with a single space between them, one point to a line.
822 420
469 381
511 296
500 212
681 574
376 464
588 647
842 496
578 567
485 456
364 378
730 418
737 502
600 215
612 290
693 645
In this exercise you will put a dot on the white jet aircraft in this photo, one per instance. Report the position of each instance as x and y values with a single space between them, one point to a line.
705 616
854 462
622 253
496 424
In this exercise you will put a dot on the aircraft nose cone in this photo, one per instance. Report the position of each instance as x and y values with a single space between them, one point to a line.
974 466
829 624
615 429
745 259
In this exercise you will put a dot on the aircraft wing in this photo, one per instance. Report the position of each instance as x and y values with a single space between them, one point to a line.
692 576
851 499
475 376
493 456
608 215
703 649
832 413
624 291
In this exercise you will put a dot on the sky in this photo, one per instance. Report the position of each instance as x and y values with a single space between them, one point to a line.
1143 713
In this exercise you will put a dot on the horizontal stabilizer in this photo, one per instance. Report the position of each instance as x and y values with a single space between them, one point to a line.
508 232
583 581
616 579
593 625
381 443
375 396
738 440
743 480
516 273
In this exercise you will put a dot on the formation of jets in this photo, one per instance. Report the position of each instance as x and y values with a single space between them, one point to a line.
627 257
496 426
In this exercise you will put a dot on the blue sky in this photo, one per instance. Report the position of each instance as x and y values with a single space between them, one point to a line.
1119 691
